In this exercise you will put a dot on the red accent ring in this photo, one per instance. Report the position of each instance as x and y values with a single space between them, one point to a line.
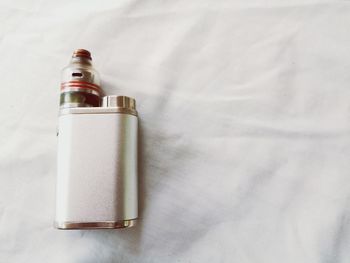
81 84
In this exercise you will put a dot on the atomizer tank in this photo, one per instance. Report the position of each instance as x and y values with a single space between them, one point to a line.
80 82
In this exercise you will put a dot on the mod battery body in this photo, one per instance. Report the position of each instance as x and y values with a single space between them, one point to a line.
97 156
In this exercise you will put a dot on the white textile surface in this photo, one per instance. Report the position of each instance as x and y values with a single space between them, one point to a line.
244 128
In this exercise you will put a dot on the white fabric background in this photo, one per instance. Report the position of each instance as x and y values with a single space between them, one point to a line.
244 142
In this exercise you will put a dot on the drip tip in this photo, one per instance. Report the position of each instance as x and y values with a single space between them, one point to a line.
81 53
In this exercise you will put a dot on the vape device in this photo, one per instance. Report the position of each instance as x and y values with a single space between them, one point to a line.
97 152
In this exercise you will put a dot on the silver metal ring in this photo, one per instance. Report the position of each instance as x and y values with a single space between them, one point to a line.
86 90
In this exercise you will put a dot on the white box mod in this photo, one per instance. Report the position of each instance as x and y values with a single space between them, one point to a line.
96 162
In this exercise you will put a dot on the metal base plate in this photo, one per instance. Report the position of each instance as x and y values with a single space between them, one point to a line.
95 225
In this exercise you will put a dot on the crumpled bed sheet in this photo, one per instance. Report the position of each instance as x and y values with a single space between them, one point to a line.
244 128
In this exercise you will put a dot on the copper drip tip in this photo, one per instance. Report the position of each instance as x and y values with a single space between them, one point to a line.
81 53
